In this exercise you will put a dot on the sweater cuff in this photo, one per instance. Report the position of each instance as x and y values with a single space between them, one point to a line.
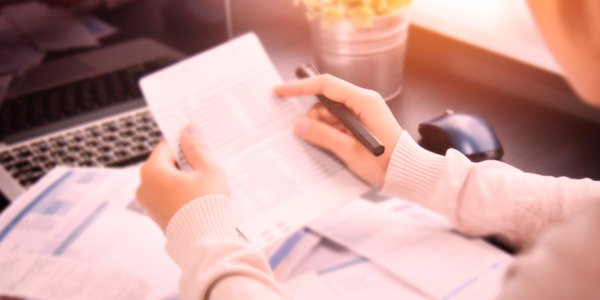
412 171
207 219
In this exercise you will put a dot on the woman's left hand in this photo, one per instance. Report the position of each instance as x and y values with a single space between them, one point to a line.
164 189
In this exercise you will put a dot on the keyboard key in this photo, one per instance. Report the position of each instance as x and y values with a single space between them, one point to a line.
153 143
23 164
6 158
144 128
122 144
24 154
104 149
49 165
140 148
75 137
40 159
29 181
109 138
104 159
137 158
27 172
40 147
92 143
74 148
139 139
127 133
58 153
69 160
126 122
18 150
86 155
121 154
58 142
93 131
155 134
86 163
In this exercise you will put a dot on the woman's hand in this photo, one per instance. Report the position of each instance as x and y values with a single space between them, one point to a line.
324 130
164 189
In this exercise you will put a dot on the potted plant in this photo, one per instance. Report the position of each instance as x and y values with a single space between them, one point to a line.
361 41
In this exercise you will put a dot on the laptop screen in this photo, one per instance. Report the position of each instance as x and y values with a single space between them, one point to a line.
189 26
83 107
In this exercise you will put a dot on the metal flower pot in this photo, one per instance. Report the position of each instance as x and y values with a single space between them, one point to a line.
372 57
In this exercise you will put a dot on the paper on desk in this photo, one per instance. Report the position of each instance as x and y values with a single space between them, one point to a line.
97 27
50 29
436 262
47 277
354 279
86 215
307 286
16 54
278 181
416 214
285 256
326 254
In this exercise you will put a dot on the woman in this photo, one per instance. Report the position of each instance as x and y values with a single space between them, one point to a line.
486 198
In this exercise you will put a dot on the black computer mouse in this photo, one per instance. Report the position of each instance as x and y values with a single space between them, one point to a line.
470 134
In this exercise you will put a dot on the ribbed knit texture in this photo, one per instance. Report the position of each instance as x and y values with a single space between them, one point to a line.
208 218
412 169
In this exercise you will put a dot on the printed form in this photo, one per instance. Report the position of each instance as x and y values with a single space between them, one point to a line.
278 182
437 262
81 230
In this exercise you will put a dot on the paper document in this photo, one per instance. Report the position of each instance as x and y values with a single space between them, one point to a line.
285 256
355 279
46 277
279 182
97 27
16 54
50 29
89 215
439 263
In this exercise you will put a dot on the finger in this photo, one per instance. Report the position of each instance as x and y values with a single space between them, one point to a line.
321 113
194 148
328 138
354 97
162 155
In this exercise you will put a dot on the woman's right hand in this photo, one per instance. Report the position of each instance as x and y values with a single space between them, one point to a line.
323 129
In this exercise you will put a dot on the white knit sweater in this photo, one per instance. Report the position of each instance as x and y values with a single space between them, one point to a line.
487 198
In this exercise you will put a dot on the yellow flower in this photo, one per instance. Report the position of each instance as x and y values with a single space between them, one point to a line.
361 12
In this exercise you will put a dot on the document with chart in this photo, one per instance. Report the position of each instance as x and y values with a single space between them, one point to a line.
279 183
82 230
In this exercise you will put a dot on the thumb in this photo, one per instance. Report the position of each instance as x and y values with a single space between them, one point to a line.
329 138
193 146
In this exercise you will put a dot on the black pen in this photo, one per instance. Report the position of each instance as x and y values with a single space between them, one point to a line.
344 115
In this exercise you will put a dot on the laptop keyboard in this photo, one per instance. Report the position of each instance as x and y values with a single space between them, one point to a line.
67 101
111 142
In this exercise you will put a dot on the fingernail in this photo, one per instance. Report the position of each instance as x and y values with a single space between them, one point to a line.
276 90
302 127
194 129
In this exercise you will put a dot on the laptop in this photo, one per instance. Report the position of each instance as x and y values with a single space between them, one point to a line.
81 111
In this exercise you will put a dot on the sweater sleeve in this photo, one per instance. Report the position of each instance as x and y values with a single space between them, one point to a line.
486 198
215 262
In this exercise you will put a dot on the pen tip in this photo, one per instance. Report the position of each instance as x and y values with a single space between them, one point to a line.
379 150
